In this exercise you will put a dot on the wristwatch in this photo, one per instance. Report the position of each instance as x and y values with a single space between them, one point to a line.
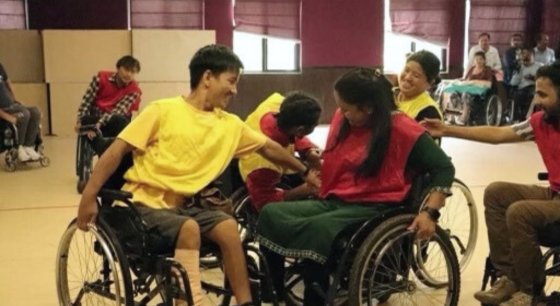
432 212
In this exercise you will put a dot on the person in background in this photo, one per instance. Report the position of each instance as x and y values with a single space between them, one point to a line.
27 119
512 57
419 74
544 54
111 98
524 79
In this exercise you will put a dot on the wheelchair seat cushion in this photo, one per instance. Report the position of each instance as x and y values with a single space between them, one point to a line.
466 88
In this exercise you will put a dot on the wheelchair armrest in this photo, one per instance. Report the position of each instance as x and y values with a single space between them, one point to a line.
115 195
542 176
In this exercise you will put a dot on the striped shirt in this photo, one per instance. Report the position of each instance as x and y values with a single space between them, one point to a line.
524 130
88 106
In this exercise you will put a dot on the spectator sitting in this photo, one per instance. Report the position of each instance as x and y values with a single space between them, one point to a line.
512 57
491 53
544 54
524 79
26 118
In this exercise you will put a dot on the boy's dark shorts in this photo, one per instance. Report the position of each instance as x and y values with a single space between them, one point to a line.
169 221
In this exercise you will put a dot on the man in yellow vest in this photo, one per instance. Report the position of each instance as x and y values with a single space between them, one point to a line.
287 121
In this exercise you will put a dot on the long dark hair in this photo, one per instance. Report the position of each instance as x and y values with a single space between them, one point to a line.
370 91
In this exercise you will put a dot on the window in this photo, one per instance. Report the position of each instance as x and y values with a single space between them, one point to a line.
398 46
402 36
261 53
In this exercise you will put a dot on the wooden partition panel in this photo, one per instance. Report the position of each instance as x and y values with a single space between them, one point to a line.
74 56
34 94
152 91
164 55
65 100
21 54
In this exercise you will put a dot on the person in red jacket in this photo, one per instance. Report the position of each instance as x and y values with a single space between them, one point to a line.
111 98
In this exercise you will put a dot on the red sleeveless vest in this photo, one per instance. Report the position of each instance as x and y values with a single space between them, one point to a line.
547 138
339 172
109 94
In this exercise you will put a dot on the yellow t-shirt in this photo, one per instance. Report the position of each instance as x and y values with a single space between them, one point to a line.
250 162
181 149
413 107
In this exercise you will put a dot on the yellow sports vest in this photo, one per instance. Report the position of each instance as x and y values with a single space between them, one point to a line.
413 107
250 162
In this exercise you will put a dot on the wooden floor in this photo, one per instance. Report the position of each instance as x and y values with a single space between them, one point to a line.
36 204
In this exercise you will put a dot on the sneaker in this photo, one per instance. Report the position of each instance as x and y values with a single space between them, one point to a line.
501 291
32 153
519 299
22 154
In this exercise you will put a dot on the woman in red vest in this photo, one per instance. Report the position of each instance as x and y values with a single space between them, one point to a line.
111 98
371 156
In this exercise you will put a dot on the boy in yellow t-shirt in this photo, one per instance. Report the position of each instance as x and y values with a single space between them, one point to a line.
179 146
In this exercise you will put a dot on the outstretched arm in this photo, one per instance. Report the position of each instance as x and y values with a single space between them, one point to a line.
487 134
107 164
275 153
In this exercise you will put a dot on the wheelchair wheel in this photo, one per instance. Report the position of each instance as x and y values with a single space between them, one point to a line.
91 268
551 260
44 161
293 281
389 268
244 213
493 111
459 219
84 163
10 160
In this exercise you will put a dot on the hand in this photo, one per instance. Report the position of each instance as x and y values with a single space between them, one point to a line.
11 118
313 179
313 158
435 127
92 134
87 212
77 127
310 190
423 225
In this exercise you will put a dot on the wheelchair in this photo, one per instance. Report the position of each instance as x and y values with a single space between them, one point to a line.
377 261
486 105
84 156
462 231
120 261
9 145
548 238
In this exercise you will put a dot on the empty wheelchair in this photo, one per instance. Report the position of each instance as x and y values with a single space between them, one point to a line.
9 144
120 261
